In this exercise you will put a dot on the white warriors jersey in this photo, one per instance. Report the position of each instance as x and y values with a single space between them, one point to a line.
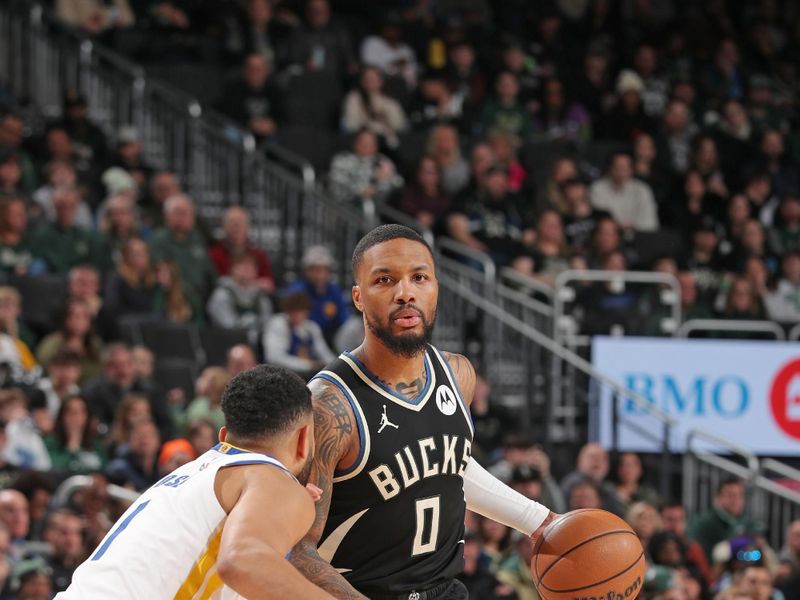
166 543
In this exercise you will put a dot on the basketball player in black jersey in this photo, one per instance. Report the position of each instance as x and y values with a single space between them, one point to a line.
393 443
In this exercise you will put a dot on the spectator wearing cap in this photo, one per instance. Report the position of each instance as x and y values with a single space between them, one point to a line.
725 519
368 107
181 243
505 111
254 101
329 307
174 454
294 341
661 583
363 176
63 243
12 137
629 201
95 16
627 118
128 156
236 242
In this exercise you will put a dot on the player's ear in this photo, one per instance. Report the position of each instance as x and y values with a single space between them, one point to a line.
357 298
223 433
303 443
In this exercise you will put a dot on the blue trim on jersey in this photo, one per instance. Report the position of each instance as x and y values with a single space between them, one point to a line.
455 385
383 386
119 529
359 424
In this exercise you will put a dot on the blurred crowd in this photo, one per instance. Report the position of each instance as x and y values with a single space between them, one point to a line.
643 134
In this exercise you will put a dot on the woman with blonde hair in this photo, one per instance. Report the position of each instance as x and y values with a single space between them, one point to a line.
644 520
207 403
10 324
172 300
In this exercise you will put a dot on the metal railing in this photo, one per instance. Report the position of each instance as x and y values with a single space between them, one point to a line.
736 327
710 459
500 324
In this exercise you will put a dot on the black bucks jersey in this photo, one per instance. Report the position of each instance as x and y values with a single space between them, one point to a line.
396 521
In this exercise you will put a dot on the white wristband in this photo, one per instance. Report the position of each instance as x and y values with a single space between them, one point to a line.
490 497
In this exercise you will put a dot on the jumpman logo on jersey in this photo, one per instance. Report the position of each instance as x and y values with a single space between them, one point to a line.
385 422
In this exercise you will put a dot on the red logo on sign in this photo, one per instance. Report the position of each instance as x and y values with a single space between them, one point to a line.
784 398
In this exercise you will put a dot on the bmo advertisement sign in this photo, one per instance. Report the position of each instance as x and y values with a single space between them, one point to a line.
745 391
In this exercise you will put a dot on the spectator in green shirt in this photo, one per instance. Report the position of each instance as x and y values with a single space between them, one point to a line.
724 520
180 242
72 445
505 112
207 405
15 244
62 244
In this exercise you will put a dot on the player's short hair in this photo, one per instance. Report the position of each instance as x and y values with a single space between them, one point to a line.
264 401
381 234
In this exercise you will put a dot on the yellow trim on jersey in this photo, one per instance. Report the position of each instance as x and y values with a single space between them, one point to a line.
194 582
225 447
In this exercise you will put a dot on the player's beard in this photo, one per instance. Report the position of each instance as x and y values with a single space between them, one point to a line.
407 345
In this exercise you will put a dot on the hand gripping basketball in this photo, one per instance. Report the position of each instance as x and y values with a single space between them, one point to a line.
587 553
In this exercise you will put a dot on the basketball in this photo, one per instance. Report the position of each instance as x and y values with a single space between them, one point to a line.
588 553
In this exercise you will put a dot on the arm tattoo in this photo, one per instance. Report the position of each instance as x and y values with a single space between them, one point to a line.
333 425
464 374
